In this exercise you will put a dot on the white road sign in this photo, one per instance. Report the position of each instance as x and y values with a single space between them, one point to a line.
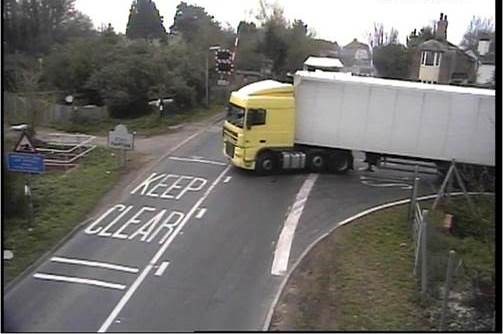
121 138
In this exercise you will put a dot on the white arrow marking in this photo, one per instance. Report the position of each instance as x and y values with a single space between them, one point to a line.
282 252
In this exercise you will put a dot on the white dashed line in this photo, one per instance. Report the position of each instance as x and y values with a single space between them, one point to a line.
162 268
94 264
227 179
71 279
201 213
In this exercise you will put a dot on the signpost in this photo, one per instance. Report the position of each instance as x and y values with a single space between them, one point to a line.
120 138
26 160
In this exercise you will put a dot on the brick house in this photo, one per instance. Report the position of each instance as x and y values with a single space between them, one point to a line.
357 58
485 61
439 61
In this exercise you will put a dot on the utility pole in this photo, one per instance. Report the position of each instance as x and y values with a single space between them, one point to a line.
207 74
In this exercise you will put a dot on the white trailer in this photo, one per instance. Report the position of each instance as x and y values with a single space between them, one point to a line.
393 117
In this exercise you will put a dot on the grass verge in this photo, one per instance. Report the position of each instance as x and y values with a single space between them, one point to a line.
360 277
148 125
61 201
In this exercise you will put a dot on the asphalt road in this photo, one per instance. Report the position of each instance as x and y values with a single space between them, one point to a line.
191 248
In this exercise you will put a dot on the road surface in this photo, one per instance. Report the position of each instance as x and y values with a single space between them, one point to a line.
192 245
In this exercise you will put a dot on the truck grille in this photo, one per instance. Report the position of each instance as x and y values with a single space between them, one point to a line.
230 135
229 149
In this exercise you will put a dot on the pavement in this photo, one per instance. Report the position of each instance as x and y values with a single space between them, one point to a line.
185 243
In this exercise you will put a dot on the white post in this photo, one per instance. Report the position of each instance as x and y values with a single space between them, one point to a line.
30 200
424 265
442 188
447 287
207 81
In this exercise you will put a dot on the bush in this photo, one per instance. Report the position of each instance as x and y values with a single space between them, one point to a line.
479 225
14 200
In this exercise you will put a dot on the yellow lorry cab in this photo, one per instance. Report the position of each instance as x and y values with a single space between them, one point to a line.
259 116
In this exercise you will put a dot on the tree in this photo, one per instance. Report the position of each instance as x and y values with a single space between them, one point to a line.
199 29
274 43
248 56
125 80
11 22
478 27
33 26
145 21
299 46
391 61
414 38
380 38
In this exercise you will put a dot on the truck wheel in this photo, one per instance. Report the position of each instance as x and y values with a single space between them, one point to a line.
266 163
340 163
317 162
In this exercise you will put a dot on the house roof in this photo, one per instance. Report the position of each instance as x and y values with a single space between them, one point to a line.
443 46
323 62
356 45
434 45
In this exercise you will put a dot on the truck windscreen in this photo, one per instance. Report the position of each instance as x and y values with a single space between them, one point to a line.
235 115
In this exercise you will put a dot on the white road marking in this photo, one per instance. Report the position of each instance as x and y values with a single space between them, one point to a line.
94 264
203 161
384 182
282 252
307 250
387 185
162 268
201 213
227 179
160 252
72 279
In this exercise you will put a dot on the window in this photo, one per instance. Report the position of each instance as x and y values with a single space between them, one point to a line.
256 117
430 58
235 115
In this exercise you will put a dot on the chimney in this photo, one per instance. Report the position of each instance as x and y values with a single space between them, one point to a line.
441 31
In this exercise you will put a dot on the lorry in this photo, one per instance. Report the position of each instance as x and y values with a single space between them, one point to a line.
319 121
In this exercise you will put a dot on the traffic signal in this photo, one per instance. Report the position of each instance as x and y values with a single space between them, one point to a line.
223 60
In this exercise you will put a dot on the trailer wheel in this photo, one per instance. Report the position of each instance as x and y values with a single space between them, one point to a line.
340 163
266 163
317 162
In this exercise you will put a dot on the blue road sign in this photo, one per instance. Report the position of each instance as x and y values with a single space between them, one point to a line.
26 163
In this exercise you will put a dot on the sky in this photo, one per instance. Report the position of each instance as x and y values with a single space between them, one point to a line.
334 20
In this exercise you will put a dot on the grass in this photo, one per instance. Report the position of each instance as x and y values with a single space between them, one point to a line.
61 201
148 125
360 277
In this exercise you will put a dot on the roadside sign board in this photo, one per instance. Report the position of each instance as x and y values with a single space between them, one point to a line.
25 145
26 163
121 138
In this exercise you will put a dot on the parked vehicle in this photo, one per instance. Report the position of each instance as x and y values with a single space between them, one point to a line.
318 122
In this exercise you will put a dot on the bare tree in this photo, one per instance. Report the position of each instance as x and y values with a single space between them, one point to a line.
478 26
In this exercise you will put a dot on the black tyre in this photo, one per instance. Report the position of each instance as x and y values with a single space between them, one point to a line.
340 163
317 162
266 163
